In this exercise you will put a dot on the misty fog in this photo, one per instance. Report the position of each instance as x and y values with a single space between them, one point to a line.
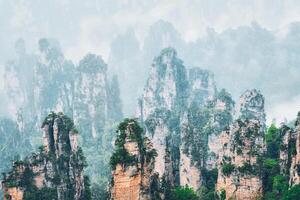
254 50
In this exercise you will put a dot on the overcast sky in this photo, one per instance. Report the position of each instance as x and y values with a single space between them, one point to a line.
83 26
91 25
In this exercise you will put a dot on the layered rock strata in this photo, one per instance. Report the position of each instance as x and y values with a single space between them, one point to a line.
133 162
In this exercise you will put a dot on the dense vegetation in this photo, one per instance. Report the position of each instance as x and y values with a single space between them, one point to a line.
180 193
64 164
46 81
26 182
276 181
207 190
130 129
205 120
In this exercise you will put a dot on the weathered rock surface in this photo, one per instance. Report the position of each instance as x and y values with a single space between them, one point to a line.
38 84
53 81
183 114
242 145
287 140
162 104
251 106
295 160
201 90
133 175
90 108
13 193
56 172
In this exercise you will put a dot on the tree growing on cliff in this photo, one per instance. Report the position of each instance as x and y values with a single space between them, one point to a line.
133 159
186 193
121 155
56 171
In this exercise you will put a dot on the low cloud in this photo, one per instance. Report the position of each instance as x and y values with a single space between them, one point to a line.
284 111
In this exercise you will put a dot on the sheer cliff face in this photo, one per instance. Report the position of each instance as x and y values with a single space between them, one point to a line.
166 86
295 160
92 114
161 106
13 85
252 105
196 136
222 116
202 86
200 135
242 145
38 84
133 162
48 82
183 115
288 141
18 80
54 75
56 172
91 95
201 89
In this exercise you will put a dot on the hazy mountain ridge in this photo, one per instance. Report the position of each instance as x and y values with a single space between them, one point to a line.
195 126
206 143
251 54
38 84
201 142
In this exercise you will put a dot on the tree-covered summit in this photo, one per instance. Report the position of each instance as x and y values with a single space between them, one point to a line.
55 172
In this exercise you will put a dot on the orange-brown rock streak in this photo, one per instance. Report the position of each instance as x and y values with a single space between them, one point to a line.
13 193
126 187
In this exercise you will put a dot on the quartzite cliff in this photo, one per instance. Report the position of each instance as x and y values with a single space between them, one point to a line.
204 140
55 172
198 136
133 162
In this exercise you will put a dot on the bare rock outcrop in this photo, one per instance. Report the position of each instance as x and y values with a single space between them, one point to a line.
242 146
295 159
47 81
161 106
56 172
200 136
183 114
133 162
